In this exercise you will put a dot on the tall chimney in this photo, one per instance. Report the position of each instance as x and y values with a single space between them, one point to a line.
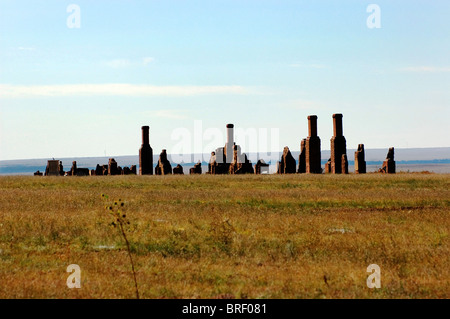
338 145
337 124
230 143
312 148
145 135
312 125
145 154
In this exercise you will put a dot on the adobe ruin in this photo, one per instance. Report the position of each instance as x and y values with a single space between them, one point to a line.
302 157
228 159
38 173
53 168
261 167
338 145
360 160
389 163
328 166
113 169
344 164
163 167
197 169
287 164
240 164
178 170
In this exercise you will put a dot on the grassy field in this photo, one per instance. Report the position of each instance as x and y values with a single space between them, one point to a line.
298 236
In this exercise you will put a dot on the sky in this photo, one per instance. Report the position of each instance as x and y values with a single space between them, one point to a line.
80 78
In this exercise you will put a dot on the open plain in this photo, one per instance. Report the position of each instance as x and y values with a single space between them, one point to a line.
247 236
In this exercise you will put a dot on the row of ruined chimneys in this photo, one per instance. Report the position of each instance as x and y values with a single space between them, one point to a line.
229 160
310 153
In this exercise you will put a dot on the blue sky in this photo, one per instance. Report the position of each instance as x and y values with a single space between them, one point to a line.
69 92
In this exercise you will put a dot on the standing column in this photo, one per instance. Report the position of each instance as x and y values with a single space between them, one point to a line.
145 154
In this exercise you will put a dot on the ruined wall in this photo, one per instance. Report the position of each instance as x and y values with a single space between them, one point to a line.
52 168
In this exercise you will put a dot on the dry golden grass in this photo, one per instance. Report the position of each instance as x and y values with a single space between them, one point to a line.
227 236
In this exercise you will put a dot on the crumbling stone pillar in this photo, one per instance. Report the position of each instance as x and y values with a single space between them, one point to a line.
83 172
240 164
178 170
302 157
61 169
338 145
389 163
312 148
344 164
73 171
328 166
197 169
218 161
99 170
212 164
145 154
261 167
52 168
360 160
287 163
163 166
113 169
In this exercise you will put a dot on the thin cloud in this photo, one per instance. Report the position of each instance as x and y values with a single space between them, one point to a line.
425 69
147 60
309 66
26 48
120 89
